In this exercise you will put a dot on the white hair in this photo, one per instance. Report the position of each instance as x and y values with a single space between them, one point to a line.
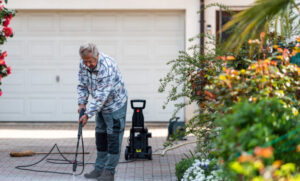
88 48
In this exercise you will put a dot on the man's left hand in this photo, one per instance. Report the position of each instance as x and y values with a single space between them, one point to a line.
83 119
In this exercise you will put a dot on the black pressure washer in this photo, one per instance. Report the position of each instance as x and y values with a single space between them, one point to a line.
138 141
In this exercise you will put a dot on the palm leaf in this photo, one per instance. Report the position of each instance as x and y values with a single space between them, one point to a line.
251 22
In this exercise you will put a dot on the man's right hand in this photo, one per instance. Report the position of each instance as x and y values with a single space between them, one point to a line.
81 106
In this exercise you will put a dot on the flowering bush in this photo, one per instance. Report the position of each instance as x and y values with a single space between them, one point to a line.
267 122
202 170
5 17
261 166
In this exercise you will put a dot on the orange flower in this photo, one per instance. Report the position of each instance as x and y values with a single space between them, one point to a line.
277 164
279 50
264 152
298 148
245 158
274 63
230 58
221 58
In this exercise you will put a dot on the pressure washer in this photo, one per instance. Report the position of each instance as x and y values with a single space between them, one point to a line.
138 147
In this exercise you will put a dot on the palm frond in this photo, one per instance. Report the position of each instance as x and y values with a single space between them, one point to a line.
251 22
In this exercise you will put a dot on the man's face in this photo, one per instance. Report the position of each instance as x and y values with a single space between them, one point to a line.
90 61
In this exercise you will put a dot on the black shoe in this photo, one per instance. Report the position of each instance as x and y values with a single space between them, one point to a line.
93 174
106 176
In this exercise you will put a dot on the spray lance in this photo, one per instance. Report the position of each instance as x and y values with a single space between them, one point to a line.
78 139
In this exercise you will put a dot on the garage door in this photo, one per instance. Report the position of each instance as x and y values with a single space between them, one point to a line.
44 59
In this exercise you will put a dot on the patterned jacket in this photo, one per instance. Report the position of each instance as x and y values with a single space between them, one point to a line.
104 84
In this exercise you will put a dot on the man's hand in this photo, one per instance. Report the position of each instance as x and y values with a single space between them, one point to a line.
81 106
83 119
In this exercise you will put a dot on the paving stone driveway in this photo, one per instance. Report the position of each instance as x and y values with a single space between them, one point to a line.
41 137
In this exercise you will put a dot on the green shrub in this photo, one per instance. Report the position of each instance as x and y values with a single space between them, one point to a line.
268 122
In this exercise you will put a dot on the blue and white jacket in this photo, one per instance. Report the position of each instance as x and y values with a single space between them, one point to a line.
104 84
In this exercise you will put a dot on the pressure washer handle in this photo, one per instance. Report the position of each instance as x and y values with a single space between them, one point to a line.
138 101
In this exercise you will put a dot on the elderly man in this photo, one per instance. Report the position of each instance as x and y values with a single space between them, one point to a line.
100 77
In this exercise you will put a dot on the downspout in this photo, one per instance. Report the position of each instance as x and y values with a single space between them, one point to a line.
202 23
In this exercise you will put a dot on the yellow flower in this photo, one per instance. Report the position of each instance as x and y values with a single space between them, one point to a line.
275 46
295 111
236 166
222 77
258 164
258 178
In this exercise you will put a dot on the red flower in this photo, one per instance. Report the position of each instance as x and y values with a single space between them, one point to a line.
8 70
1 7
7 31
6 22
2 62
3 55
0 93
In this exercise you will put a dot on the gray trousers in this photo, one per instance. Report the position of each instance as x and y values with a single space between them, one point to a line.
109 135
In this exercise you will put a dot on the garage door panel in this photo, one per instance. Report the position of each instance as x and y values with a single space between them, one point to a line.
136 49
42 50
137 22
42 80
74 23
104 23
42 105
19 23
11 105
167 48
16 50
169 22
42 23
16 81
109 47
69 106
69 48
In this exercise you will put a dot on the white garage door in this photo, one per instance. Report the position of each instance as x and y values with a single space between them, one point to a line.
44 59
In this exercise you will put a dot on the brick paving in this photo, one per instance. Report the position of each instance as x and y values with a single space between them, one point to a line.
41 137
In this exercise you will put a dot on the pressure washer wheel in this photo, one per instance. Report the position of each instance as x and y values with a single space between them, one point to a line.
126 153
150 153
